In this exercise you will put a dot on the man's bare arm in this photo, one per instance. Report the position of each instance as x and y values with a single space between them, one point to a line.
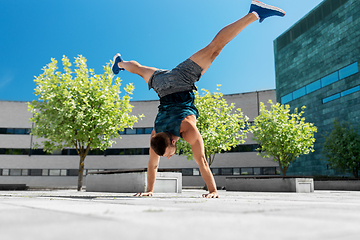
193 137
151 172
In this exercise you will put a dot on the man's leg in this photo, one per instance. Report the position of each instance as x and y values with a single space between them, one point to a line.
258 10
207 55
132 66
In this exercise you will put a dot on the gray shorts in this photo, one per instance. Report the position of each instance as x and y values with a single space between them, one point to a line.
179 79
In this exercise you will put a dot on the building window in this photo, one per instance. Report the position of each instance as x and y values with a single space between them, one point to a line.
313 86
38 152
196 172
348 70
287 98
19 131
114 151
215 171
130 131
72 172
26 131
17 151
350 91
54 172
95 152
22 131
35 172
329 79
269 170
236 171
148 130
325 81
98 152
299 93
14 151
187 171
15 172
257 171
140 130
9 131
133 151
73 152
226 171
25 172
341 94
247 171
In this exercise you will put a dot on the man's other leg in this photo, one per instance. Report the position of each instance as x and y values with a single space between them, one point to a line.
136 68
207 55
131 66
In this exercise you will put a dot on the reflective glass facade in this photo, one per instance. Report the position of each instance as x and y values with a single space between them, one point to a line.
317 66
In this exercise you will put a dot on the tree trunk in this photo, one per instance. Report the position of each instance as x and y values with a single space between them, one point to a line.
81 173
356 172
282 169
211 159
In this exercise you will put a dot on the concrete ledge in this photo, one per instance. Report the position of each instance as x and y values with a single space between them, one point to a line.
132 181
341 185
270 184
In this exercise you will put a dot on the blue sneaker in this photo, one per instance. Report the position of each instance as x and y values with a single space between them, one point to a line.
263 10
115 67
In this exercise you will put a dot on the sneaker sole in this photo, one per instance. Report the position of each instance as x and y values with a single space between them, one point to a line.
263 5
116 55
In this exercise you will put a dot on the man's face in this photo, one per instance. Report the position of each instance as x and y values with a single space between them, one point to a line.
170 151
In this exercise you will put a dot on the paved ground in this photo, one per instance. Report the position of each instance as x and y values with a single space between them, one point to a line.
68 214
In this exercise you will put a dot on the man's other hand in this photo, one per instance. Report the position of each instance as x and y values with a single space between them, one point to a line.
211 195
147 194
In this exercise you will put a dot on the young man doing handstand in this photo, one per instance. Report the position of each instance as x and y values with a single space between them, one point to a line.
177 113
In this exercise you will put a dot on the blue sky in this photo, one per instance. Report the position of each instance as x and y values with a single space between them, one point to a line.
158 33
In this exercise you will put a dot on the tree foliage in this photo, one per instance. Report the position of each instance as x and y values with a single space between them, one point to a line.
342 148
283 135
220 125
79 109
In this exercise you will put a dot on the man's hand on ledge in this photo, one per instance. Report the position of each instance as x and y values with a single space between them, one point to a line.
211 195
147 194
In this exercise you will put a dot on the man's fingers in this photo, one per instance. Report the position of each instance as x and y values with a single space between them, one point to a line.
150 194
210 195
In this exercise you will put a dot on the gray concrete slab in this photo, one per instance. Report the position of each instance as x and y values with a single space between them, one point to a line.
68 214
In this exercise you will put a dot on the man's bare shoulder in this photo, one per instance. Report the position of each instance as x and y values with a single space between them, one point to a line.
188 123
188 129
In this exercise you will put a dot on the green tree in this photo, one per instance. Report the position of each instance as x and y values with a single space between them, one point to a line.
220 125
78 109
283 135
342 148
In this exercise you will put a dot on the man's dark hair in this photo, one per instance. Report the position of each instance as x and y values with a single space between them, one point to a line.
159 142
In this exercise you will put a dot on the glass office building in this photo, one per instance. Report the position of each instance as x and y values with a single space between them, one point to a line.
317 65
